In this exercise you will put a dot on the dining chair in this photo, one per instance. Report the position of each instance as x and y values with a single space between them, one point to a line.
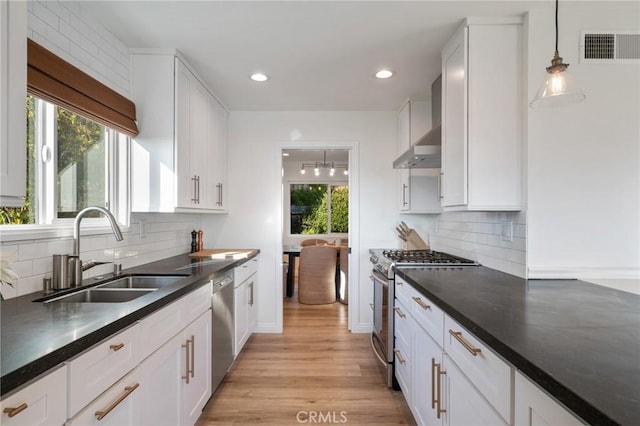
317 275
313 242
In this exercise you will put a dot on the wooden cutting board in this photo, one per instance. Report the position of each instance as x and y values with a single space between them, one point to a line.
223 254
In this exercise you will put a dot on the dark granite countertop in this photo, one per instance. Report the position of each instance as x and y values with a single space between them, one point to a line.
36 337
578 341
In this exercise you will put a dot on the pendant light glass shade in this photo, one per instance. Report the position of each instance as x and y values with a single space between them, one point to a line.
558 87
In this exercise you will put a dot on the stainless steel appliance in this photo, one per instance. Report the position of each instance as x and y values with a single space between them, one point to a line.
222 328
384 263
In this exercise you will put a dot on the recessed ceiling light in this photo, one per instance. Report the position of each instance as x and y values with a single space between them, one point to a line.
285 154
259 77
384 74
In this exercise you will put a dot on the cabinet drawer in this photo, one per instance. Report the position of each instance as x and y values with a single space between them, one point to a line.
402 324
43 402
114 407
196 302
428 316
101 366
403 291
488 372
244 271
402 363
159 327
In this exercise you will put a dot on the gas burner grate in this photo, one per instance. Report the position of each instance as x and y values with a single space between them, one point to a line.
426 257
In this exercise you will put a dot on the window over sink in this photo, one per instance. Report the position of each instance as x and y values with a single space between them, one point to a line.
72 163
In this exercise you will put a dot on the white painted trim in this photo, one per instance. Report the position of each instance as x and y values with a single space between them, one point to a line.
354 235
40 232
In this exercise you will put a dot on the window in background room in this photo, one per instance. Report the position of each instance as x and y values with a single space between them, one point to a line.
72 163
319 209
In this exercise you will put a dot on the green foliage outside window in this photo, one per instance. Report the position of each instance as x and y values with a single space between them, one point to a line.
80 145
310 209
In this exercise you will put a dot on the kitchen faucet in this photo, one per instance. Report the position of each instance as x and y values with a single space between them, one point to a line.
76 265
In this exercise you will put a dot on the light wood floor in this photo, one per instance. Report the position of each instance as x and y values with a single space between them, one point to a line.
315 372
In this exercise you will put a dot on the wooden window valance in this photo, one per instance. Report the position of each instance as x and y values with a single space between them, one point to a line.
51 78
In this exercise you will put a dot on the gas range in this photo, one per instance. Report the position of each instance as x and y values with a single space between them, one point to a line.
385 260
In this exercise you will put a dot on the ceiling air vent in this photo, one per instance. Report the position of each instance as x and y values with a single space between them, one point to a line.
600 47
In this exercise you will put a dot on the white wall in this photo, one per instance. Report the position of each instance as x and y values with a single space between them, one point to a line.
584 160
64 30
254 220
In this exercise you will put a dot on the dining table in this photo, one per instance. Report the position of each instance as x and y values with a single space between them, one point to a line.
293 251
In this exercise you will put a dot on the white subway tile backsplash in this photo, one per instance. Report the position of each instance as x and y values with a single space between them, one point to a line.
478 236
40 10
32 251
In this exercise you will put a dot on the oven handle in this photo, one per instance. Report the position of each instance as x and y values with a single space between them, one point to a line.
375 351
377 276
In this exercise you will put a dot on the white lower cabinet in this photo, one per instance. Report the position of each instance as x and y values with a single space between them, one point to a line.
462 403
533 407
443 382
101 366
246 313
42 403
197 389
428 356
156 372
176 379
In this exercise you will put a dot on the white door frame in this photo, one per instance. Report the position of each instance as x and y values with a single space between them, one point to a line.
354 215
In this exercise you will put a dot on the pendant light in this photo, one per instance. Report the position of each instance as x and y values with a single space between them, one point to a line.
558 87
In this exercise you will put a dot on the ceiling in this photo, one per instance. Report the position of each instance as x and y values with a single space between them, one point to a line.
319 55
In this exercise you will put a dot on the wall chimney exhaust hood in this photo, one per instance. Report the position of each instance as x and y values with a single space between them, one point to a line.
425 153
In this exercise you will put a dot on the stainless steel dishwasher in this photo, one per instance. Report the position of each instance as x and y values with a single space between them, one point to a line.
222 328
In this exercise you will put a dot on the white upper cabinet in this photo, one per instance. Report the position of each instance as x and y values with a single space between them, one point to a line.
178 159
13 105
482 106
418 190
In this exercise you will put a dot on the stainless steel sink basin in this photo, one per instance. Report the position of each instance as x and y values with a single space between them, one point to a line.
142 281
100 295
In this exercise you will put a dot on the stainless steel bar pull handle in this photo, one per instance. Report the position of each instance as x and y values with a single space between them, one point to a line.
399 356
219 186
186 362
192 360
194 197
251 293
468 346
433 383
421 303
404 194
12 411
101 414
399 312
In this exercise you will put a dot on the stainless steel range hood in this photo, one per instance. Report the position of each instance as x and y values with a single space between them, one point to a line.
425 153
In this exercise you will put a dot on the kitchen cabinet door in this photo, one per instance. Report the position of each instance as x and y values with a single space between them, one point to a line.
241 322
13 105
533 407
426 355
191 139
217 158
197 390
42 403
418 189
482 116
176 154
462 402
159 400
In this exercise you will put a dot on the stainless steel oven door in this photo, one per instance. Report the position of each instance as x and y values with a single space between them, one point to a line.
382 338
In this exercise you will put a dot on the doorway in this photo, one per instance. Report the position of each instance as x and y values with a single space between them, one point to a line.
318 201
